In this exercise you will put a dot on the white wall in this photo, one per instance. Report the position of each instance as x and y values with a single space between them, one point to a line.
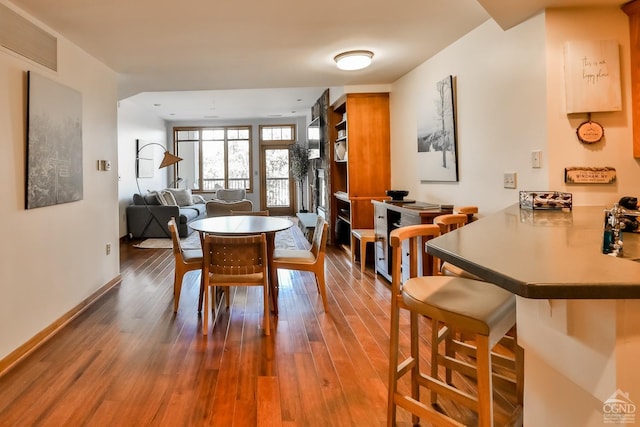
54 257
136 123
500 103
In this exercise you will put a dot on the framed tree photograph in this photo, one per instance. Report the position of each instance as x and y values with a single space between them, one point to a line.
437 142
54 143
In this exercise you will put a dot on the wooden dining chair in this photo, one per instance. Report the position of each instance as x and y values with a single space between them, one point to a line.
250 213
307 259
185 260
234 261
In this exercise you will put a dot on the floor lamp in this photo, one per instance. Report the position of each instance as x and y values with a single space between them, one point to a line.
167 160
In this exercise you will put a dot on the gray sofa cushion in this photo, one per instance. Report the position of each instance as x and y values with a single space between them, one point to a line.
181 195
192 212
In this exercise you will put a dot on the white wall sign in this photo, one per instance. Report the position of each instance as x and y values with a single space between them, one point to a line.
592 76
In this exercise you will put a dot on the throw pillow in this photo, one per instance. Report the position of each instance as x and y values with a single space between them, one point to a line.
182 196
169 200
198 199
153 199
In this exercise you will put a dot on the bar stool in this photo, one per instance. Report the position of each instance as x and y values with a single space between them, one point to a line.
364 236
478 308
447 223
469 211
450 222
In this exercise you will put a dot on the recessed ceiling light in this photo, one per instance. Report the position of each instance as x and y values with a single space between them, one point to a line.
354 59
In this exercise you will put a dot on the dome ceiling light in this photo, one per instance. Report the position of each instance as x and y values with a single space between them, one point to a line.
354 59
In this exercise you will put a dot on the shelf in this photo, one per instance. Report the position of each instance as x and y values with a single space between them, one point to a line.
340 139
341 195
341 124
343 218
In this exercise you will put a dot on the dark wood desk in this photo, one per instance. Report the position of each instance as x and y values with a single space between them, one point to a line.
243 225
391 215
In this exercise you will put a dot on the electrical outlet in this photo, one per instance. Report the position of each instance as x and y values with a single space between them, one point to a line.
510 180
536 159
108 248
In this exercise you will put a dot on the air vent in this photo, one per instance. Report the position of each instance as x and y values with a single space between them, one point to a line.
26 39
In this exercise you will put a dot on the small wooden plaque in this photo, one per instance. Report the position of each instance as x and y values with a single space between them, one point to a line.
589 175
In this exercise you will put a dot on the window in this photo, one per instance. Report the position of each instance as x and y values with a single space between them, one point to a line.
277 133
214 157
277 189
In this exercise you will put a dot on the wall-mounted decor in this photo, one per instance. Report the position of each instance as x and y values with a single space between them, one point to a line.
589 175
437 146
590 132
54 143
592 76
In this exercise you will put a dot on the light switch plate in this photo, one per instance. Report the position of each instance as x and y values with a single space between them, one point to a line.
536 159
510 180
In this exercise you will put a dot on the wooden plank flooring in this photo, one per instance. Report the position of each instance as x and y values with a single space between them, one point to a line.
128 360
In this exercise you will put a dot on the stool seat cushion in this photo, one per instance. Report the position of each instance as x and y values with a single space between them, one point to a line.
475 306
363 233
294 255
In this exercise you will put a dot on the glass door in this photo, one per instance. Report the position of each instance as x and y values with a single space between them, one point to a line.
277 187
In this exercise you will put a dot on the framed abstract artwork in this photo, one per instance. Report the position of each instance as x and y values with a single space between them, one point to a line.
54 143
437 142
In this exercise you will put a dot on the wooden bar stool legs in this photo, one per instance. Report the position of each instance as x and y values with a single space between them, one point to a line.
364 236
481 311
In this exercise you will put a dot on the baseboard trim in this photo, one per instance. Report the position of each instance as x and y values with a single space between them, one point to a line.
10 361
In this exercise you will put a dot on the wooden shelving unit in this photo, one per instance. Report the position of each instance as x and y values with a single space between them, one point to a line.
359 124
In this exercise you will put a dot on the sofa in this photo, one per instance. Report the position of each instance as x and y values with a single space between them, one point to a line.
148 215
228 200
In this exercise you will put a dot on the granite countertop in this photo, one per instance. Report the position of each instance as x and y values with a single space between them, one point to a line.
544 254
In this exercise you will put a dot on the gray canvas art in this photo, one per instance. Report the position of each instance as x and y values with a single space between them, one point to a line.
54 143
437 148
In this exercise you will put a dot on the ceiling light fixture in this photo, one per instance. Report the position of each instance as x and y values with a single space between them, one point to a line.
354 59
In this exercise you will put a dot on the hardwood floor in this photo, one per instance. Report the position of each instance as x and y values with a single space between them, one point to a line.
128 360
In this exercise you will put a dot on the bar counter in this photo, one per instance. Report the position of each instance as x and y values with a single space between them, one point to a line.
544 254
578 312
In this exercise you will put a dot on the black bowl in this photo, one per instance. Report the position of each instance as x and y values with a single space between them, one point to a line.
397 195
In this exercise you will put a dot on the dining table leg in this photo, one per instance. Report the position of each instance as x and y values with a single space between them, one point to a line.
202 282
273 272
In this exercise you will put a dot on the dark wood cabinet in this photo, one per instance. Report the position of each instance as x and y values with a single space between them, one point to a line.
388 217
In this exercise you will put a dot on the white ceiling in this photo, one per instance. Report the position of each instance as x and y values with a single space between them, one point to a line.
246 58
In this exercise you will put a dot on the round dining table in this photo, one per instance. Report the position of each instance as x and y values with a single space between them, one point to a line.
244 225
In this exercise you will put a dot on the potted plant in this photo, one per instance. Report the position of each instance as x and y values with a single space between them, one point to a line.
299 158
